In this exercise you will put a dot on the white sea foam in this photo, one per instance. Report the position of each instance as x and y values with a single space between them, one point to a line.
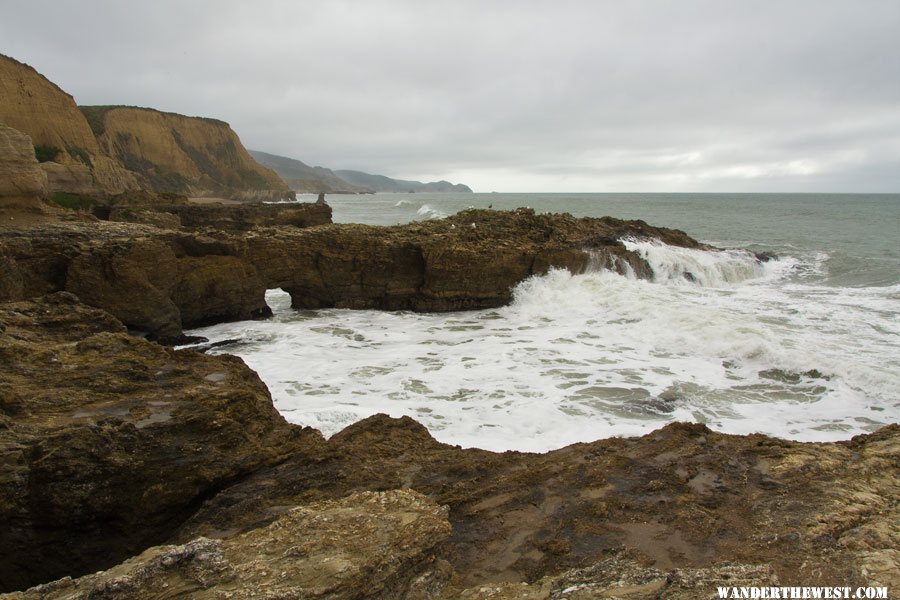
719 268
744 347
429 212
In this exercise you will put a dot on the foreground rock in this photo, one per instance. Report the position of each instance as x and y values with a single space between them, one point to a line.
161 281
682 497
626 578
108 442
112 445
367 545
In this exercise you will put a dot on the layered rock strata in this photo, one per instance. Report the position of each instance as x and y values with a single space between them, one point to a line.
366 545
160 281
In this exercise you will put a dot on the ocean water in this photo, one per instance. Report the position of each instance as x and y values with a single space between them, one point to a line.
805 347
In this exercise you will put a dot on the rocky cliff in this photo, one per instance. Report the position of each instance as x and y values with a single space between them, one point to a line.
160 281
36 106
190 155
113 445
108 150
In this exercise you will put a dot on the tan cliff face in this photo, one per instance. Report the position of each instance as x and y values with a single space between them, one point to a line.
128 148
36 106
189 155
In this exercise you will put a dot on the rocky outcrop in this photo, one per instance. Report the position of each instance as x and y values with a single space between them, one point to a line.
36 106
190 155
109 441
367 545
160 281
472 260
229 217
22 181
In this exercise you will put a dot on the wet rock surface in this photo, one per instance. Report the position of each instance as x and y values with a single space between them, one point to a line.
160 281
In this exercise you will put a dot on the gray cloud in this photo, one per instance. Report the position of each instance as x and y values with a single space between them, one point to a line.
510 96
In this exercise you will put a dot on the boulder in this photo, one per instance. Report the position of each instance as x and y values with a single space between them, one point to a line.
22 181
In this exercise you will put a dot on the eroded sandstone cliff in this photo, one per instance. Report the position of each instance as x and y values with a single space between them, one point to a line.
36 106
108 150
191 155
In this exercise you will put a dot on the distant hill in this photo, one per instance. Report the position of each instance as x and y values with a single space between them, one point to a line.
303 178
380 183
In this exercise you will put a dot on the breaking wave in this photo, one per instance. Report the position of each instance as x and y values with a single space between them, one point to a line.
741 345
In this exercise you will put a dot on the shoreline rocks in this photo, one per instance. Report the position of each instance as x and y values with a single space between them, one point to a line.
161 281
222 217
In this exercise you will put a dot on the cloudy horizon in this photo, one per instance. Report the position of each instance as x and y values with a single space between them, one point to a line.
693 96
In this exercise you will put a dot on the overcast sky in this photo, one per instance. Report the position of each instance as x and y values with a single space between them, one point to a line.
718 95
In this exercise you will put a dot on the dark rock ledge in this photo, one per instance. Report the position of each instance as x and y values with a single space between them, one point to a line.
160 281
117 449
